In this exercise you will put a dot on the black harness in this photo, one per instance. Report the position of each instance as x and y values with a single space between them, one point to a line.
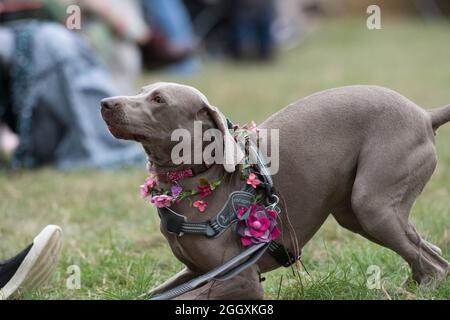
178 224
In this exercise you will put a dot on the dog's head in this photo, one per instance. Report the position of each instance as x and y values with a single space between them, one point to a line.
156 111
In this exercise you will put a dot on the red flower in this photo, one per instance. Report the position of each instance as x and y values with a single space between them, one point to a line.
259 226
253 180
204 190
241 212
200 205
178 175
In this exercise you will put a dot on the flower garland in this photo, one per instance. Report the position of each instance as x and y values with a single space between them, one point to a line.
256 223
165 198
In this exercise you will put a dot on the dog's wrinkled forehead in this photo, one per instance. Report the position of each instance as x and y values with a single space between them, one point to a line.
175 90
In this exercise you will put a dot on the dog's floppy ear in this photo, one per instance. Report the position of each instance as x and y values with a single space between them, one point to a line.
232 153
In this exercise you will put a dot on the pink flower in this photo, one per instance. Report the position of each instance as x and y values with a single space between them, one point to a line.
241 212
143 190
252 126
275 233
204 190
246 242
257 225
161 200
200 205
272 213
151 182
260 225
253 180
146 188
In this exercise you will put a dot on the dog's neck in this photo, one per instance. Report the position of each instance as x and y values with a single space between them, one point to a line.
176 173
159 163
229 182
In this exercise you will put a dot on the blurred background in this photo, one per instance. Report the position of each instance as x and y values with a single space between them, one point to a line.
250 58
58 58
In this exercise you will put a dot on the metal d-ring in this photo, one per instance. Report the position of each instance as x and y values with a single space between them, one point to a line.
275 203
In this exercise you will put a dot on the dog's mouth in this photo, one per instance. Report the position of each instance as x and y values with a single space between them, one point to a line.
120 131
119 127
138 137
116 124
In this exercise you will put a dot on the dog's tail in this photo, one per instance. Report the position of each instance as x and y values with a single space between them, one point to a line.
440 116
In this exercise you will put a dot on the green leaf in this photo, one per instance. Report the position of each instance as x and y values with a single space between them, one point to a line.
258 198
215 184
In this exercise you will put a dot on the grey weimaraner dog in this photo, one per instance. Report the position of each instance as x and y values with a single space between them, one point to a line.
361 153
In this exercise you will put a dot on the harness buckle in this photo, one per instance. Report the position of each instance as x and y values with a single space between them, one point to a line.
210 232
272 202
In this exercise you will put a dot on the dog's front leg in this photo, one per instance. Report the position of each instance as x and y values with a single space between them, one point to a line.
181 277
245 286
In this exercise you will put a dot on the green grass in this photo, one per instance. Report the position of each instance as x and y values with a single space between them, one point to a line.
114 236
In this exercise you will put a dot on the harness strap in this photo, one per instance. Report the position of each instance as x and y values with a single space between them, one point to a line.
178 224
281 254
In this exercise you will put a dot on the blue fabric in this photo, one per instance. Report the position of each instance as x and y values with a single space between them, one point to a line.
57 84
172 19
251 25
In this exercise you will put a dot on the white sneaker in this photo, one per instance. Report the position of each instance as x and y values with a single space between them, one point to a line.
8 140
33 266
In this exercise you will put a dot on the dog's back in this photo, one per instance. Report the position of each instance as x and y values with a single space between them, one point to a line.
364 154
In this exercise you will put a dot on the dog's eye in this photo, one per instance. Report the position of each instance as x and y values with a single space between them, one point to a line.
158 99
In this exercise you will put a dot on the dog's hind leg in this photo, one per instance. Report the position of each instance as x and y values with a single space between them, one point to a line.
347 219
382 198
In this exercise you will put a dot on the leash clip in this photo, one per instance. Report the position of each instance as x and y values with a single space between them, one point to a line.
273 205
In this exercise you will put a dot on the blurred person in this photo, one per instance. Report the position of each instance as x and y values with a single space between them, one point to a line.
171 21
293 20
114 29
50 89
118 32
242 28
251 23
130 37
31 268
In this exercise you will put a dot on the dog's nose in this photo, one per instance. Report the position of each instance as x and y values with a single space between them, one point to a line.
108 103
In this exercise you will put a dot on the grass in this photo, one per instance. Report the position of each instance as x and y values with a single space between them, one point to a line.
114 238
